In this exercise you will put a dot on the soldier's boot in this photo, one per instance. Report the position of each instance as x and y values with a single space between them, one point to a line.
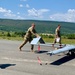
32 47
20 48
22 45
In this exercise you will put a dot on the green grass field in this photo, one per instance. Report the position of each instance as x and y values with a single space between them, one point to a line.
64 41
49 40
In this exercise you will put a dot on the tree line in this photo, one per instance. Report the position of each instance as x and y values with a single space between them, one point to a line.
21 34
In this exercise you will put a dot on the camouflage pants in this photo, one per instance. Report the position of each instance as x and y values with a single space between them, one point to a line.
56 41
25 41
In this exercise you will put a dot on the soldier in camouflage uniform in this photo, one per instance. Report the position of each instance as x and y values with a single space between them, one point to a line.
57 35
28 37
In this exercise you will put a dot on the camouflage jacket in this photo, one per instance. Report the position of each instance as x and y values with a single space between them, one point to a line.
30 32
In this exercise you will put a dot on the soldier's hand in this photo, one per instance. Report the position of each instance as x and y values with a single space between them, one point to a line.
37 35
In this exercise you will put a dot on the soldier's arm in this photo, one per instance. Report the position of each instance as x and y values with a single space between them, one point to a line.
33 31
56 33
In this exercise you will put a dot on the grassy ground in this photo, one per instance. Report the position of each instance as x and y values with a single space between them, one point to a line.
49 40
12 38
64 41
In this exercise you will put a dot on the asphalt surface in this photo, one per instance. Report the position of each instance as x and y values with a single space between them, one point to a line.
25 62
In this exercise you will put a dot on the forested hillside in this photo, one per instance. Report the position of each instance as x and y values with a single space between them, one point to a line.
41 26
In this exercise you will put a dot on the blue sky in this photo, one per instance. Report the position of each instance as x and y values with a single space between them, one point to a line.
53 10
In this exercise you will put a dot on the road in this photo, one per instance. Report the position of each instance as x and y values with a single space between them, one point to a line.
25 62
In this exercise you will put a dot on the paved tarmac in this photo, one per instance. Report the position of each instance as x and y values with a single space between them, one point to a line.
25 62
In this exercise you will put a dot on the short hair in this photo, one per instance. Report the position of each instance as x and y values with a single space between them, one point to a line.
59 25
33 24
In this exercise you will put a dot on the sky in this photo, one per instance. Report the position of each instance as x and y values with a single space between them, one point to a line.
51 10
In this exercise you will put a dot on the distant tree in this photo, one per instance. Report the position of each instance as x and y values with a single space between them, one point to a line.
8 34
71 36
20 33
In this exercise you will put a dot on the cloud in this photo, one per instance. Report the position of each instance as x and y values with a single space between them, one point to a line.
69 16
6 12
37 13
21 5
18 13
19 17
27 6
9 14
2 10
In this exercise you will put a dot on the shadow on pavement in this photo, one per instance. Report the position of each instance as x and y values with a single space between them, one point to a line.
40 52
63 60
4 66
35 51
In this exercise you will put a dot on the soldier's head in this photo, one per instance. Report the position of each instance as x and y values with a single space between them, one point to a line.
33 25
59 26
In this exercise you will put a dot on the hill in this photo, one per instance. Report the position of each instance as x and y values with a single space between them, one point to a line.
41 26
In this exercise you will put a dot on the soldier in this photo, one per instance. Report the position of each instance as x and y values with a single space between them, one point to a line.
28 37
57 35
